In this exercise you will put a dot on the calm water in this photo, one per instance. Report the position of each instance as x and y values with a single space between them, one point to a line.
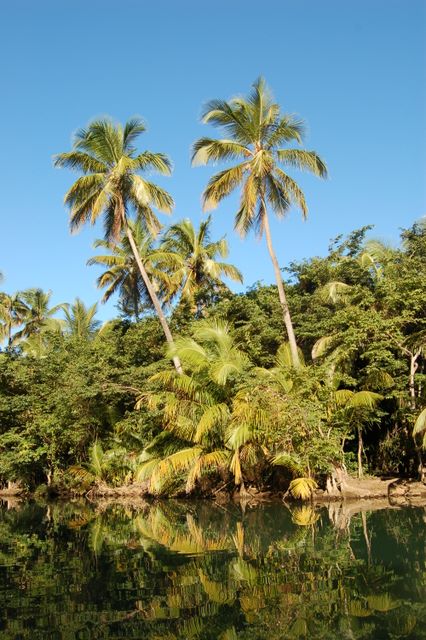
196 570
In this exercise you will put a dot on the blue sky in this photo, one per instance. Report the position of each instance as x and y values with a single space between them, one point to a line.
354 70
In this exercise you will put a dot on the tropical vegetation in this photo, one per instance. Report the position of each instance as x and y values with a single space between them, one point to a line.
247 407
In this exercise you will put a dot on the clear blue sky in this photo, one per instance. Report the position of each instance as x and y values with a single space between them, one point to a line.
353 69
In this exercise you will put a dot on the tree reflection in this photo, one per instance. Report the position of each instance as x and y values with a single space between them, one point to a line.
200 570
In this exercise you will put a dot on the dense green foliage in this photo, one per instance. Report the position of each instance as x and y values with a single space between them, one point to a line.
252 401
108 401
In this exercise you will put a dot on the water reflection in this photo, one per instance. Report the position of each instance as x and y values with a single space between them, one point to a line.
199 570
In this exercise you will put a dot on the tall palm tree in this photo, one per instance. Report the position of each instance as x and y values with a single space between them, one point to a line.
122 272
111 185
256 131
80 320
198 258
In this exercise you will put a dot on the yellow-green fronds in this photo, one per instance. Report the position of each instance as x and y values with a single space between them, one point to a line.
167 469
342 397
235 468
302 488
322 346
206 463
213 417
283 357
238 434
335 292
382 602
145 470
288 461
357 400
364 400
379 379
213 350
420 427
82 476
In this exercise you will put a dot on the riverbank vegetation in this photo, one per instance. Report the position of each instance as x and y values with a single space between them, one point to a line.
282 388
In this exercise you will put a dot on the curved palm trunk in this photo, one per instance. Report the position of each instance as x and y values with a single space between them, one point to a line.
153 296
281 293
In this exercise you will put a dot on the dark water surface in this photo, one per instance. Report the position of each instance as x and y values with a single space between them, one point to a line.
198 570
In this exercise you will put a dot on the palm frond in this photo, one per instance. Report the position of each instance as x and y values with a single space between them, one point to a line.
132 129
206 463
207 150
322 345
289 461
293 191
79 161
420 426
364 399
302 159
342 397
221 185
285 129
166 470
302 488
335 291
152 161
214 416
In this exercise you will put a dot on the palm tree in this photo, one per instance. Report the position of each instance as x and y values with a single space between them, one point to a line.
198 265
196 409
111 185
122 274
37 315
256 131
12 312
80 320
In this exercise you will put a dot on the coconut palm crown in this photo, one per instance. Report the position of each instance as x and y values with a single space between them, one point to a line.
197 254
111 184
256 132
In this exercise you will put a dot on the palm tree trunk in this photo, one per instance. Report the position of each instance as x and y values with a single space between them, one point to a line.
153 296
281 293
360 446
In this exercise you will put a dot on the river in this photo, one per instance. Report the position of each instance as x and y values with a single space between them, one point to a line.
177 570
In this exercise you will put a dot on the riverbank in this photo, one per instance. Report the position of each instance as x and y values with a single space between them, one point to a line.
368 490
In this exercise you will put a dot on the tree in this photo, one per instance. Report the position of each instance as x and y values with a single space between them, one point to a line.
80 320
12 312
123 275
37 315
111 185
196 410
198 266
256 130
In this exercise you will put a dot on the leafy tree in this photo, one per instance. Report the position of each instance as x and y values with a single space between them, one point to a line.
257 130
